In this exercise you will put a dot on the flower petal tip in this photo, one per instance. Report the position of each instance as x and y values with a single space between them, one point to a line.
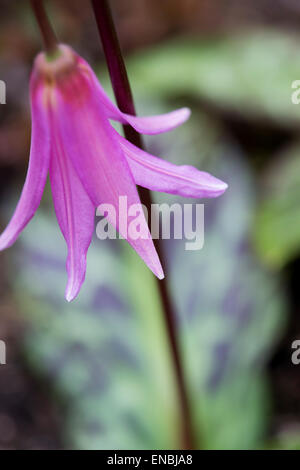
176 118
69 297
71 293
158 272
214 186
158 124
222 187
185 114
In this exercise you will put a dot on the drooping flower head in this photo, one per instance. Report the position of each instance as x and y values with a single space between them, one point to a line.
90 164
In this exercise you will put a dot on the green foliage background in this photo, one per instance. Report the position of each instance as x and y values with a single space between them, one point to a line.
105 356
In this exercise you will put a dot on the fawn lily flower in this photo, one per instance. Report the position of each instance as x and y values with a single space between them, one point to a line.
89 163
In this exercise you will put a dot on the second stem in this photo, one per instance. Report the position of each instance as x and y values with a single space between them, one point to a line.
124 98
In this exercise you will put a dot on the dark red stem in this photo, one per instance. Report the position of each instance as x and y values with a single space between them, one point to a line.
47 32
124 98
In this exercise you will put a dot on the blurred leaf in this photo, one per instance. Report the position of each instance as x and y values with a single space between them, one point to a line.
288 440
97 352
106 353
250 73
231 313
277 225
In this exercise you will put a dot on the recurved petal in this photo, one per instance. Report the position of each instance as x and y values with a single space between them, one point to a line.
145 124
158 124
100 163
159 175
37 169
75 213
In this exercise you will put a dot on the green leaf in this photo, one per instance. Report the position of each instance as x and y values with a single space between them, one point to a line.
105 355
287 440
249 73
277 227
231 310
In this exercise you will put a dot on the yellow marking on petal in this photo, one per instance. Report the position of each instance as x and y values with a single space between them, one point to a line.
48 98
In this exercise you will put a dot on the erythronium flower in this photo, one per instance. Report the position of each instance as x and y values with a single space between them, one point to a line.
89 163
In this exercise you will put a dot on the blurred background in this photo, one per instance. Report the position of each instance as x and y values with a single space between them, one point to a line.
96 374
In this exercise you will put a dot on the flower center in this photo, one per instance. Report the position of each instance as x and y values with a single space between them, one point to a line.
56 66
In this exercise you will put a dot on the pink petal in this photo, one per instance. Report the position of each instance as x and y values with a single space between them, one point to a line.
159 175
37 169
158 124
98 159
75 214
108 107
144 125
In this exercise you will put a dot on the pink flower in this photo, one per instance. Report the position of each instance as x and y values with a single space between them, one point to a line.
89 163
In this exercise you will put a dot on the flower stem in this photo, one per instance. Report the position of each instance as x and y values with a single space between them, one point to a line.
47 32
124 98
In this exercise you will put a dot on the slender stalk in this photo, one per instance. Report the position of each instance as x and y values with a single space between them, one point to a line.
124 98
47 32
